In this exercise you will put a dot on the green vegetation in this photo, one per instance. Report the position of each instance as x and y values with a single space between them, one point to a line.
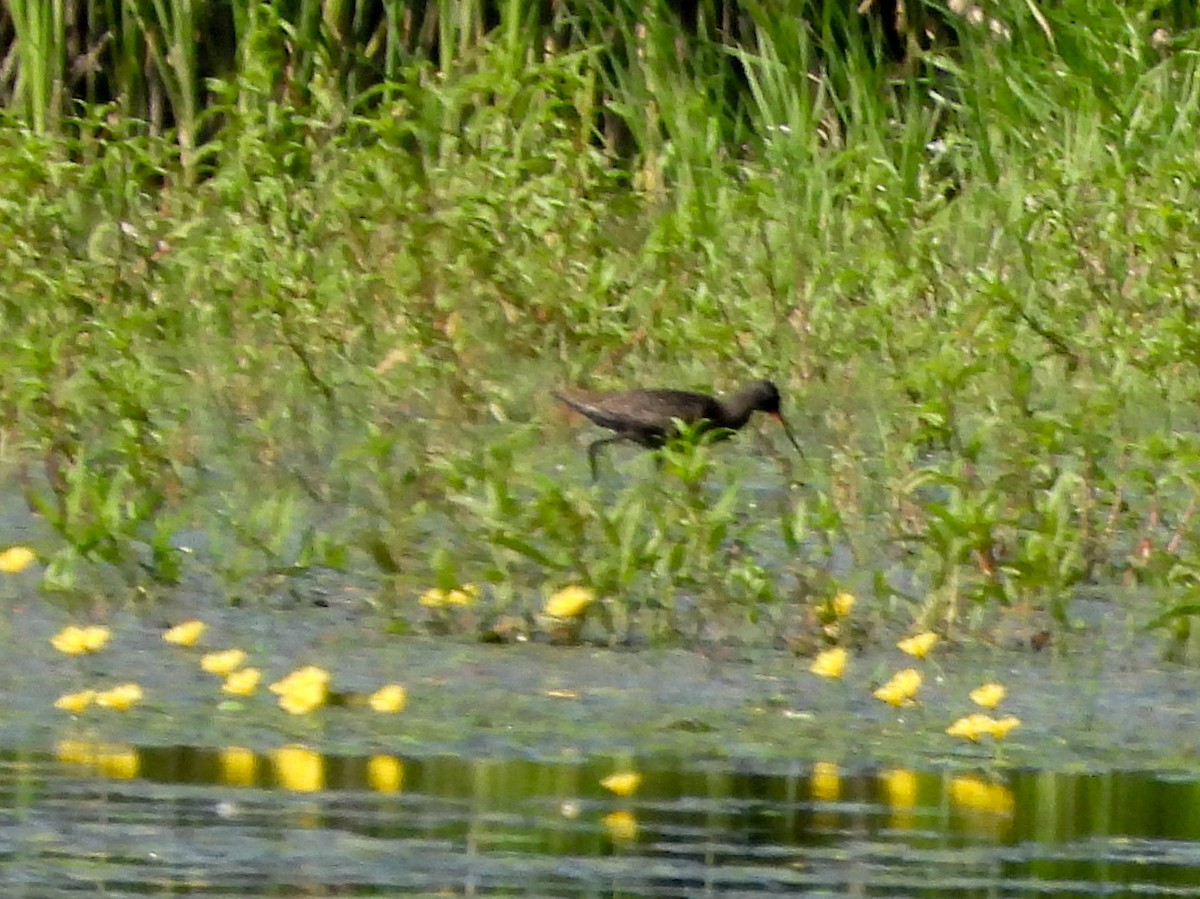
311 304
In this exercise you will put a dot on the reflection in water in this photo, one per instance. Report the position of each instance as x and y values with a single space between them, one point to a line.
299 769
296 822
385 773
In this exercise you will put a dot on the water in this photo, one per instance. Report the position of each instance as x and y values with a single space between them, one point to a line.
118 820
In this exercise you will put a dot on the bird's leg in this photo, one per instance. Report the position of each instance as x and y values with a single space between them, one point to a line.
593 448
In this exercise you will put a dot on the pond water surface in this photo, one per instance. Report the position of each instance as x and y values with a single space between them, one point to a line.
119 820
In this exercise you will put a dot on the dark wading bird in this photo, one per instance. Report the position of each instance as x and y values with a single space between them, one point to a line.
647 417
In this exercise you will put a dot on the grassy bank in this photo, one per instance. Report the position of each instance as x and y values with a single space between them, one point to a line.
325 337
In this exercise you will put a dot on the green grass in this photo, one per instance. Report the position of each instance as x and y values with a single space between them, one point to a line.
320 325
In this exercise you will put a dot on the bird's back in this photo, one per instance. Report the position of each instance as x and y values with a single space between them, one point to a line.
643 415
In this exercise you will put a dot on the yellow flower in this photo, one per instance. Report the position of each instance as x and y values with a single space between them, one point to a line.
919 645
299 769
972 727
830 663
1001 728
569 602
385 773
621 825
185 634
222 663
237 766
463 596
842 604
391 698
75 702
16 559
74 640
623 783
825 782
242 682
988 696
121 697
302 691
901 689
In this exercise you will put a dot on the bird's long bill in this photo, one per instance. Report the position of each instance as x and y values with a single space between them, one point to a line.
787 430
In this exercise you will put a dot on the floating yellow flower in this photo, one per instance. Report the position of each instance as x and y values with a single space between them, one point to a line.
842 604
830 663
185 634
302 691
385 773
16 559
972 727
74 640
988 696
569 602
222 663
623 783
825 782
436 599
120 697
242 682
75 702
919 645
1001 728
392 698
901 689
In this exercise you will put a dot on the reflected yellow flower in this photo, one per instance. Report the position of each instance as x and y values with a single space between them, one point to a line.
237 766
16 559
75 752
841 604
185 634
900 787
972 727
299 769
621 825
391 698
569 602
222 663
825 782
385 773
988 696
74 640
830 663
242 682
980 795
623 783
1001 728
435 598
75 702
919 645
121 697
119 761
302 691
901 689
